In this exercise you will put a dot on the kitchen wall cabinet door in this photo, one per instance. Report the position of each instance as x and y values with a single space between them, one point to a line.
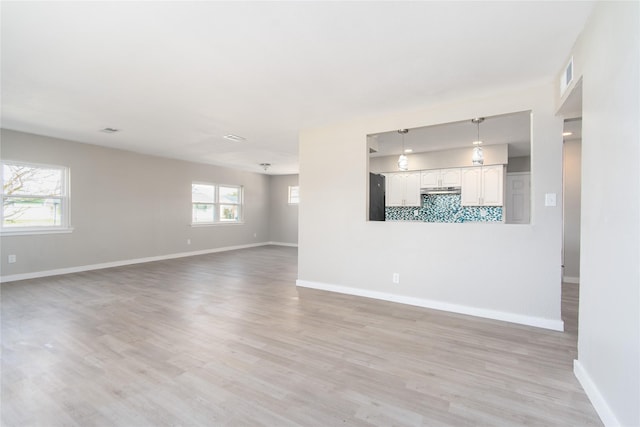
492 185
403 189
440 178
395 183
483 186
450 177
471 187
430 178
412 190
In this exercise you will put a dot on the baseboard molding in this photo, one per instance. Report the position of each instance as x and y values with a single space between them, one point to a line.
293 245
68 270
597 400
556 325
570 279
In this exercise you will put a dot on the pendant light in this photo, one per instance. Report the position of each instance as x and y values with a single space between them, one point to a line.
477 158
403 161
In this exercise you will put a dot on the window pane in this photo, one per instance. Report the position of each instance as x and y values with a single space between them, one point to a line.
201 193
31 212
228 212
202 212
20 180
229 195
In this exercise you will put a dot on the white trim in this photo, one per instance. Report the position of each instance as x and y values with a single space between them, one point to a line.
215 224
293 245
540 322
597 400
68 270
571 279
6 232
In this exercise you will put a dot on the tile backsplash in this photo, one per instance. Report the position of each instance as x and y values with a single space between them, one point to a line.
444 208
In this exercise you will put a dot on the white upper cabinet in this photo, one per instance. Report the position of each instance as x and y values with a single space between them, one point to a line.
403 189
483 186
412 190
493 185
440 178
430 178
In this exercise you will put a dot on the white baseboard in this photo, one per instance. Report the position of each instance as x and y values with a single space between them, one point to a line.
597 400
570 279
293 245
556 325
68 270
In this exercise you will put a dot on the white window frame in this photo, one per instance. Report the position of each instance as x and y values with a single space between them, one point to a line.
297 202
217 203
64 197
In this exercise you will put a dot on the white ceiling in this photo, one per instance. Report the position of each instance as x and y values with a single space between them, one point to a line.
177 76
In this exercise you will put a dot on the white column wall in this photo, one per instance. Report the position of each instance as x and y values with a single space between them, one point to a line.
607 57
510 272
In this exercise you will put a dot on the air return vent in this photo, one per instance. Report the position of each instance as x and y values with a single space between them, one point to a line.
567 77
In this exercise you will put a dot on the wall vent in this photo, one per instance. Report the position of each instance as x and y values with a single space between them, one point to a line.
567 77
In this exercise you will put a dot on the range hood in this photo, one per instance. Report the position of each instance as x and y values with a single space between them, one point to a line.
441 190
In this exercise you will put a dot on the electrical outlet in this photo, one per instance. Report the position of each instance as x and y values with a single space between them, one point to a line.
416 212
188 241
11 259
396 277
255 235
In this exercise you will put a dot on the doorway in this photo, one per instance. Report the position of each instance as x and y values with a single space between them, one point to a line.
571 183
571 111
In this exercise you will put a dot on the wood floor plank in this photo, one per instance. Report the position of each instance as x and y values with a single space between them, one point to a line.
227 339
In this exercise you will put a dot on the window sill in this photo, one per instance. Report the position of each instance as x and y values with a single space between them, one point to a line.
34 231
215 224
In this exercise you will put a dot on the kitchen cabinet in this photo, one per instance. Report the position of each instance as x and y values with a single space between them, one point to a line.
483 186
436 178
403 189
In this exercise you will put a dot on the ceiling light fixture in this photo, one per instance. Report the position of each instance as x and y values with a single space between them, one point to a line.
477 158
408 150
403 161
234 138
567 133
109 130
265 166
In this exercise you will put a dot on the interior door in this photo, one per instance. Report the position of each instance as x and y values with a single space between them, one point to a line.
518 195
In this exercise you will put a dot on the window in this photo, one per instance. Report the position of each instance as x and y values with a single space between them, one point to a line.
35 198
294 194
211 203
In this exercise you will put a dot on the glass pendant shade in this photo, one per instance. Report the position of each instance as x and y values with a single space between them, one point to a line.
477 158
403 162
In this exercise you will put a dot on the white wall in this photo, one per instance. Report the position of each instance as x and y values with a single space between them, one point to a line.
606 56
127 206
283 217
456 158
571 209
519 164
495 270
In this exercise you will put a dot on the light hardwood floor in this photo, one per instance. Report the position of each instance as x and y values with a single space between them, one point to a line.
227 339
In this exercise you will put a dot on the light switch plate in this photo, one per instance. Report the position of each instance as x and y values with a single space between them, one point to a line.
550 199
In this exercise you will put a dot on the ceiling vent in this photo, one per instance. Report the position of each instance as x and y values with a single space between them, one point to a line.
109 130
234 138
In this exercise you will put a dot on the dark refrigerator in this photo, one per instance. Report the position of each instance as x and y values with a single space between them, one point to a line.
376 197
